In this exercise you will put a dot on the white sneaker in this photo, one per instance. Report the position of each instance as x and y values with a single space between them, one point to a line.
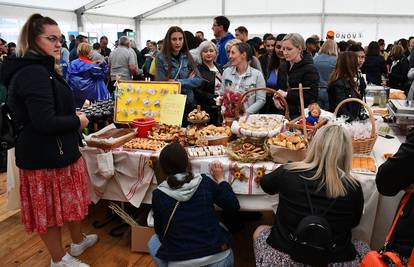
88 241
68 261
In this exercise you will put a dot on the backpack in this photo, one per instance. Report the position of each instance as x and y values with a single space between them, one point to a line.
313 239
8 132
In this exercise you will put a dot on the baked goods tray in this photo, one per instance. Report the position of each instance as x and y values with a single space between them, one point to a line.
144 145
364 164
206 151
110 138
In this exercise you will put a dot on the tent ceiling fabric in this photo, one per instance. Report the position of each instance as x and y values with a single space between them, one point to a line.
126 8
120 8
52 4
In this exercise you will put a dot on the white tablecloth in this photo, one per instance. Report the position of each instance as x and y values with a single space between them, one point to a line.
127 180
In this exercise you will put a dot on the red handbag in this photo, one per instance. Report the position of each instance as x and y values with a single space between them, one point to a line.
380 258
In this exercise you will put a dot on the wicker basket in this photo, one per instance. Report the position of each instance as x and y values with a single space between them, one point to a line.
363 146
247 158
284 155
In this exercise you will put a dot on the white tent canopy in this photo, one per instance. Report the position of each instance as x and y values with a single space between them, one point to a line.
354 19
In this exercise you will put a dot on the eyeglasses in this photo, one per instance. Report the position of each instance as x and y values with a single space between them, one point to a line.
52 38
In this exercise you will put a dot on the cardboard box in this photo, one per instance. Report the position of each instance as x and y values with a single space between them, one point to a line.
140 235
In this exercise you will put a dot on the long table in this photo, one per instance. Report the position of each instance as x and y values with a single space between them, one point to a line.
125 175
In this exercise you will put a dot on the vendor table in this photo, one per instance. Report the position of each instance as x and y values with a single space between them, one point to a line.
127 176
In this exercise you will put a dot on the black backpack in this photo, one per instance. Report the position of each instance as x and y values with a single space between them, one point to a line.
8 132
313 239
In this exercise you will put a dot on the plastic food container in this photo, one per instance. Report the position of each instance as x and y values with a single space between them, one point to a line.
143 126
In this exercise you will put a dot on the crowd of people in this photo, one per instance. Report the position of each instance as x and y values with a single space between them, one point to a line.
54 183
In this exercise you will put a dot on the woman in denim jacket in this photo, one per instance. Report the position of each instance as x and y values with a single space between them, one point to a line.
175 63
241 77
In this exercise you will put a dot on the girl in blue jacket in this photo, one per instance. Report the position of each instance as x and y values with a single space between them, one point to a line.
187 231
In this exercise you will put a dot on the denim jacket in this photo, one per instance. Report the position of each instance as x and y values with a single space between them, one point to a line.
252 79
180 72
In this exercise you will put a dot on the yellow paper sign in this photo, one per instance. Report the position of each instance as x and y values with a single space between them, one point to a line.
172 110
139 99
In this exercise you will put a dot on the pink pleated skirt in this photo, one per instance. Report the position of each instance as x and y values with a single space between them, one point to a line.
51 197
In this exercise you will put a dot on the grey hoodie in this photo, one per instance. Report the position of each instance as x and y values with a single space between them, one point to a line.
183 193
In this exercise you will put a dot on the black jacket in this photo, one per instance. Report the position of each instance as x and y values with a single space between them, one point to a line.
105 52
392 177
397 78
306 73
264 62
412 58
205 94
341 90
269 107
374 67
344 215
42 102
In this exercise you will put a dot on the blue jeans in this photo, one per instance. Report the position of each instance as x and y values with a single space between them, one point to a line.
154 244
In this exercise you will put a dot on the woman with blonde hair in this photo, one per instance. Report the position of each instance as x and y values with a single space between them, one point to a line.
320 185
53 177
325 63
300 70
254 61
87 78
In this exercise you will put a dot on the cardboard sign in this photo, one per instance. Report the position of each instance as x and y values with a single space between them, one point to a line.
140 100
172 110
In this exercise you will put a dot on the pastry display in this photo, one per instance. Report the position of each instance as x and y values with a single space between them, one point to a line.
205 151
215 131
261 122
288 140
258 125
363 163
201 136
198 115
145 144
165 132
247 150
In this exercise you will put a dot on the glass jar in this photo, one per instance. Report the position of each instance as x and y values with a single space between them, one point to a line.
382 99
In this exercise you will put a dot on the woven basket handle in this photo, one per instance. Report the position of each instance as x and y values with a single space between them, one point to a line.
371 115
269 90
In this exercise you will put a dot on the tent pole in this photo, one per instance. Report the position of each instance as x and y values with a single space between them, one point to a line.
80 11
223 7
323 21
138 32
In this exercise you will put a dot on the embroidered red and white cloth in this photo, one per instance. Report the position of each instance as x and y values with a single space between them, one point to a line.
50 197
129 169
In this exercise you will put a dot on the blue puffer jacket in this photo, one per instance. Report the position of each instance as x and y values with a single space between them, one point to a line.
87 80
